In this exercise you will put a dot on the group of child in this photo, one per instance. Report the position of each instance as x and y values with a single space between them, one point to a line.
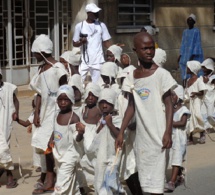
90 137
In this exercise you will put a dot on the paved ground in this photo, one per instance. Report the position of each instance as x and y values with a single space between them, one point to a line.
200 164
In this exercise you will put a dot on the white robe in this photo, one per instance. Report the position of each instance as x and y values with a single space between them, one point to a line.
46 84
151 125
66 159
195 104
179 138
6 110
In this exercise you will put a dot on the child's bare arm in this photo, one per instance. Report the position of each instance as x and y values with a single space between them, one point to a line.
181 123
81 130
200 93
167 137
109 123
23 123
16 105
37 111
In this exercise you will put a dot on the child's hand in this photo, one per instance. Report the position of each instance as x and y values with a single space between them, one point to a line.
108 120
15 116
29 129
167 141
36 120
80 128
193 94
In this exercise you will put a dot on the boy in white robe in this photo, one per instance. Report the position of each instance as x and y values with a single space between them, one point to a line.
179 137
149 88
64 150
9 111
46 83
194 94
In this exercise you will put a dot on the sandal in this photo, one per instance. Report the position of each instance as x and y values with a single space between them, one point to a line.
169 187
39 185
38 169
12 184
43 191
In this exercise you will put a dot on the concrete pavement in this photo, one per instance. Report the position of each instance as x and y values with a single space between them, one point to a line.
200 163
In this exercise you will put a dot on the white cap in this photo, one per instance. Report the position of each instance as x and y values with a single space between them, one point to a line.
42 44
160 57
93 88
68 90
194 66
209 64
108 95
75 57
179 91
91 7
192 16
116 51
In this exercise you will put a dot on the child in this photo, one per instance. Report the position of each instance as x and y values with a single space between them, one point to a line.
107 131
149 88
9 111
38 159
125 60
179 136
65 154
209 98
194 93
89 124
71 60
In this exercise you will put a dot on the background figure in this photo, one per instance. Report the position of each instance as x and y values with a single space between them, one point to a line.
90 34
191 48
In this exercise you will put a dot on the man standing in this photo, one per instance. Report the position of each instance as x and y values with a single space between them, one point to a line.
90 34
191 48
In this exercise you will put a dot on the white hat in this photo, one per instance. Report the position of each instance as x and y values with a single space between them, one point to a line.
116 51
66 55
109 69
68 90
179 91
75 57
91 7
93 88
160 57
194 66
209 64
192 16
75 81
211 78
108 95
42 44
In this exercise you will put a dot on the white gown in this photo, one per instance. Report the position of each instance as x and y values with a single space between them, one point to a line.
151 125
6 110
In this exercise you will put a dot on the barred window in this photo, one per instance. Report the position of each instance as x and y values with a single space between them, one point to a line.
133 14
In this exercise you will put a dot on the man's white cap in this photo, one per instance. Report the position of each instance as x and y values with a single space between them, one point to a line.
209 64
92 7
194 66
116 51
160 57
179 91
68 90
192 16
108 95
42 44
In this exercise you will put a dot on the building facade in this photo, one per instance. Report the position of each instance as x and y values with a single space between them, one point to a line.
21 21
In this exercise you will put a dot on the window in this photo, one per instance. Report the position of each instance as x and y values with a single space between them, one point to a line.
133 14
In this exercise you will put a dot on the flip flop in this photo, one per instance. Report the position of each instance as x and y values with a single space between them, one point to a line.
39 185
12 184
38 169
43 191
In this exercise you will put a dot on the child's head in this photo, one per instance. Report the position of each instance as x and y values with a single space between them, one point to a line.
113 53
64 58
109 72
65 98
177 94
91 95
191 20
42 47
76 84
107 99
125 60
193 67
208 66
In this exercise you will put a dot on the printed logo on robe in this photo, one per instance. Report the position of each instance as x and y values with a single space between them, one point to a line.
57 136
143 93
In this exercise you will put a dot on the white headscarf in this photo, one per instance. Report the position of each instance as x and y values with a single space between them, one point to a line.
109 69
212 77
75 57
75 81
160 57
209 64
116 51
108 95
42 44
68 90
194 66
192 16
93 88
129 58
66 55
179 91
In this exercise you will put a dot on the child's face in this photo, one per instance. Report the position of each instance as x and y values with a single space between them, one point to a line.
105 107
125 60
188 71
91 100
77 94
206 71
64 103
105 79
110 57
174 97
